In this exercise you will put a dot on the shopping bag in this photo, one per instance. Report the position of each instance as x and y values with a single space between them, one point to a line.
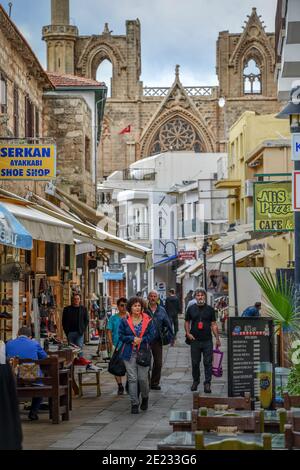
217 370
116 365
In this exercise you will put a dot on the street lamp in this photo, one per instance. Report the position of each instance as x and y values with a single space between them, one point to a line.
204 250
236 310
165 254
292 111
164 244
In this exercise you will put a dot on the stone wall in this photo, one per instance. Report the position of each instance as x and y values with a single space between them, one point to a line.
18 75
68 120
128 105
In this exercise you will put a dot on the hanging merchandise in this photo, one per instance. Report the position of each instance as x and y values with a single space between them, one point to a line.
47 309
2 353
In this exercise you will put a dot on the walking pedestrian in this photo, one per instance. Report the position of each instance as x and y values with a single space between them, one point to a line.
162 325
113 333
200 322
136 333
75 321
189 296
25 347
173 309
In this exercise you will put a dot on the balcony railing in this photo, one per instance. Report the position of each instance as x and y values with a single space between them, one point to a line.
134 232
191 91
139 174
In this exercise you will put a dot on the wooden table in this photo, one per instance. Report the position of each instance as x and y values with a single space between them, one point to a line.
186 440
68 355
182 420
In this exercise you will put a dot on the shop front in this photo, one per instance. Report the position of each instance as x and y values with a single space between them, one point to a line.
14 240
36 277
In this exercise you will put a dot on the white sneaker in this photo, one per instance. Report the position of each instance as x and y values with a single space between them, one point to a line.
92 368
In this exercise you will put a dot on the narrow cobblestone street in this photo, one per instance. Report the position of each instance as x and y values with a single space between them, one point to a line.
106 422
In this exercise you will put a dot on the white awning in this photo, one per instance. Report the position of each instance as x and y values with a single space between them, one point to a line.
198 273
41 226
214 262
182 268
195 266
82 247
239 256
102 239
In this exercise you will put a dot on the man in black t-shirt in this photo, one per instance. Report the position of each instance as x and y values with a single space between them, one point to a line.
200 321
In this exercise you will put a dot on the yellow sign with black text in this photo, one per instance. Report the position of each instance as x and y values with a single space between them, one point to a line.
273 211
27 162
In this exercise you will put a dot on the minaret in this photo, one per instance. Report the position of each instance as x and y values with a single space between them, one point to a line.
60 37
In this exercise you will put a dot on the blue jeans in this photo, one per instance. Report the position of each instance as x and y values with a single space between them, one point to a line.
77 339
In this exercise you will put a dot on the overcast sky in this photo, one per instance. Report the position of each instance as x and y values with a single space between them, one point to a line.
173 31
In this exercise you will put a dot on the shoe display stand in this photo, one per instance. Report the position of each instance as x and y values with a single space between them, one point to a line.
5 315
5 328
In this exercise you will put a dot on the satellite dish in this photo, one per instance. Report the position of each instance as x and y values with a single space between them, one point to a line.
221 102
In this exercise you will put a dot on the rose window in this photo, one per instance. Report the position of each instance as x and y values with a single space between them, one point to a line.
176 134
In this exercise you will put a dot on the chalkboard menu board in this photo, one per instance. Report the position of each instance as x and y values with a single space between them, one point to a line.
250 342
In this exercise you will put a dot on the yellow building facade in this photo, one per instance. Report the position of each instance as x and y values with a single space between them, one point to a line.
258 150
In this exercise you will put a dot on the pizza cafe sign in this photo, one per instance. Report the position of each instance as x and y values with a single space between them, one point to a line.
273 211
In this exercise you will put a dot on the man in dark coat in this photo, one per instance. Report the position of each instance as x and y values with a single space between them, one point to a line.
161 323
173 309
75 321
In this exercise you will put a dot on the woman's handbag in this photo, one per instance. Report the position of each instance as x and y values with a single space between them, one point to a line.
116 365
143 357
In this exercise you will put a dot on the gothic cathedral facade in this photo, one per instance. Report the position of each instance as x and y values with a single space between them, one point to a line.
160 119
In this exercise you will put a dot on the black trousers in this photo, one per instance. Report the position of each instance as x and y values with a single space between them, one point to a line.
197 349
157 351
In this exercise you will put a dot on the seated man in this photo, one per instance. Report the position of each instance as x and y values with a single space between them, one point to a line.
25 347
252 311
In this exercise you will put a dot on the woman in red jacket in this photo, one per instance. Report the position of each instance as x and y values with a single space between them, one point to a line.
136 333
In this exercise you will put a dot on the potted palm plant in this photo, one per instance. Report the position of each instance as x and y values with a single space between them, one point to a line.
283 306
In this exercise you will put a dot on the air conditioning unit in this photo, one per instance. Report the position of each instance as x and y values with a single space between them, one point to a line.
249 188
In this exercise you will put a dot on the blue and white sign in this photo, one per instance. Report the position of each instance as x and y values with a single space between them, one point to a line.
296 147
12 233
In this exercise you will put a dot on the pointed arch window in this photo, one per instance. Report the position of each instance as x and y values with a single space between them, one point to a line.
104 73
252 78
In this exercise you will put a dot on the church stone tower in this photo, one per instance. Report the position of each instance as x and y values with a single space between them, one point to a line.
60 37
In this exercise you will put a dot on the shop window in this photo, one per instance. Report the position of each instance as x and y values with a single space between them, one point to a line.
16 112
3 94
51 261
79 261
67 256
87 154
29 118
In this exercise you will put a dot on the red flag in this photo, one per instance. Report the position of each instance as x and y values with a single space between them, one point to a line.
126 130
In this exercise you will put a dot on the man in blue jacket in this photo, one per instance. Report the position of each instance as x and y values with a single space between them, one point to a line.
161 322
252 311
26 348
